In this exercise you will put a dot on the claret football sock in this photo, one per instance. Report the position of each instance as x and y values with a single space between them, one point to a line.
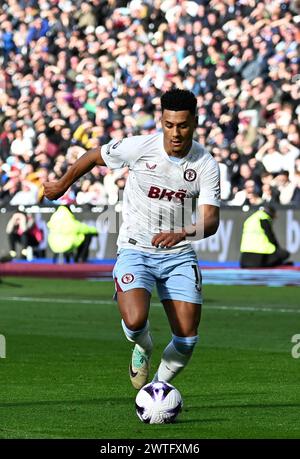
175 357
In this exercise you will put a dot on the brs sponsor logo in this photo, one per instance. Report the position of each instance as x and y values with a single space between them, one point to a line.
158 193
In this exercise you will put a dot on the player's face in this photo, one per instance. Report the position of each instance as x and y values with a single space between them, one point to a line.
178 128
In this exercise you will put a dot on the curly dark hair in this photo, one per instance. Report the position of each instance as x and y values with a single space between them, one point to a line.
179 99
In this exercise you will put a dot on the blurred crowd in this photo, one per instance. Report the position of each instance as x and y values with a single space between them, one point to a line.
74 74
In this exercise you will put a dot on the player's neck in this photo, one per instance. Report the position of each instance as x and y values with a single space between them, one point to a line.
178 153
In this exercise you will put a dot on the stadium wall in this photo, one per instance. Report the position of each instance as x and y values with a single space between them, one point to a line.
222 247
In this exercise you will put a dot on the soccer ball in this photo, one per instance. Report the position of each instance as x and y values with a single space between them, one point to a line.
158 403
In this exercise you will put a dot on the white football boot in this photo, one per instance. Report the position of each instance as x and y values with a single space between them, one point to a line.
139 367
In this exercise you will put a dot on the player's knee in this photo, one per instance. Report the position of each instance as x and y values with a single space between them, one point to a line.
185 344
135 323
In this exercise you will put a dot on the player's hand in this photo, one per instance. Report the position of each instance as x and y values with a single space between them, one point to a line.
53 190
168 239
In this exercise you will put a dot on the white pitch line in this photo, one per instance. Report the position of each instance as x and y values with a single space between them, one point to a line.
53 300
104 302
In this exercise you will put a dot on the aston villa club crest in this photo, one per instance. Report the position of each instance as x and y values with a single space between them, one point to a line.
127 278
190 175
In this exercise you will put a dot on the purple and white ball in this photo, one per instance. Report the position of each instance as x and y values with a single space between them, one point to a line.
158 403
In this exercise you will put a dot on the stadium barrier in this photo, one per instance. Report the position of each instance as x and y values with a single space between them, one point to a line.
223 247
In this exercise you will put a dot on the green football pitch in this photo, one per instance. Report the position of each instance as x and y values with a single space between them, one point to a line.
65 374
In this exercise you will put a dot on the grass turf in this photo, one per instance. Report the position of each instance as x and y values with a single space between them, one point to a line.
65 374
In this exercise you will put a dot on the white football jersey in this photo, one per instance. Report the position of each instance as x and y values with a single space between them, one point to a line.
159 191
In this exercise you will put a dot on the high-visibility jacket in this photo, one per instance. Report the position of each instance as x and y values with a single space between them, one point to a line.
65 232
254 238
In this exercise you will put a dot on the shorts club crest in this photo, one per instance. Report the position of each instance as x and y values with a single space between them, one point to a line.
127 278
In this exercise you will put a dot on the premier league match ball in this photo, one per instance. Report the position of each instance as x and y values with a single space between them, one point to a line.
158 403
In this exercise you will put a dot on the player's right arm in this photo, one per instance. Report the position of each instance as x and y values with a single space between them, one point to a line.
92 158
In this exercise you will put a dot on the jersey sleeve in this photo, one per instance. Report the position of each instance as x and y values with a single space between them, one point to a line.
120 153
210 184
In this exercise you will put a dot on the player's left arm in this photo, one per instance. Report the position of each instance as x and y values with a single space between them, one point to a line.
206 225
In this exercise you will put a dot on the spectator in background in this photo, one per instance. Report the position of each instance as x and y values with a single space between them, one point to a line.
247 196
244 173
22 230
26 196
290 153
95 195
284 186
272 159
270 194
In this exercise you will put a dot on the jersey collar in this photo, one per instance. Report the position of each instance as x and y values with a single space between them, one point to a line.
166 156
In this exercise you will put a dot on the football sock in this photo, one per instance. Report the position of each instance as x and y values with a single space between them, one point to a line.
175 357
141 337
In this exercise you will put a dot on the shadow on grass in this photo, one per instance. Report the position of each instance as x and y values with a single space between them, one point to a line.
10 284
199 420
